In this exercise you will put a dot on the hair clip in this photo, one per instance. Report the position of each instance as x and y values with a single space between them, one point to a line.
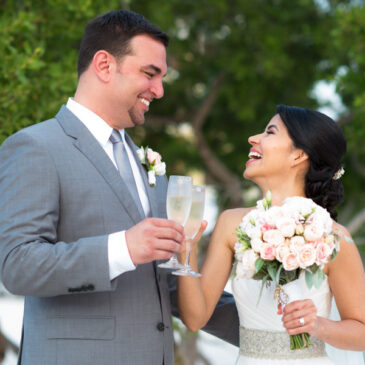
338 173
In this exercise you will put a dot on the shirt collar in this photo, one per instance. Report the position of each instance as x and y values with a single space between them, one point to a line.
97 126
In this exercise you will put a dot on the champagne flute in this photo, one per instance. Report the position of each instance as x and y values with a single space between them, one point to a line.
192 227
178 203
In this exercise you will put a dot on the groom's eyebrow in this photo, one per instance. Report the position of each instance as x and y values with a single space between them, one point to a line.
154 68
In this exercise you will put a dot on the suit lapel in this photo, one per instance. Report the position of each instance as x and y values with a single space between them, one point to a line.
85 142
151 191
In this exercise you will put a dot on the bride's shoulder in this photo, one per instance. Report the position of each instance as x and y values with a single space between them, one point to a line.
341 231
347 248
231 218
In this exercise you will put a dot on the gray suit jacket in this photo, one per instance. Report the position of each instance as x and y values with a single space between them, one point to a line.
60 198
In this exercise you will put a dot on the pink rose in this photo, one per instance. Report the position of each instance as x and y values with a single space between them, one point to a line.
290 262
274 237
153 157
268 251
281 251
323 253
306 256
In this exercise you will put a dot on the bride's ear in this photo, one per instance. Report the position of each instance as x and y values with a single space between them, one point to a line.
299 157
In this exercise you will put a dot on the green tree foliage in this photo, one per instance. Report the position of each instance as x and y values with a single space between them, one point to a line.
230 63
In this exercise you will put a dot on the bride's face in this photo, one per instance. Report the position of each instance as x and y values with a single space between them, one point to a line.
272 153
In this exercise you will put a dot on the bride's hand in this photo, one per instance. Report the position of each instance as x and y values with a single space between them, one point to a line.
182 255
300 316
198 236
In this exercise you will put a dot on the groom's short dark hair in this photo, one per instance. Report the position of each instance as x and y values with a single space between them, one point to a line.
112 32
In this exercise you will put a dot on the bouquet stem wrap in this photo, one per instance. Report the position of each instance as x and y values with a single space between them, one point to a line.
286 294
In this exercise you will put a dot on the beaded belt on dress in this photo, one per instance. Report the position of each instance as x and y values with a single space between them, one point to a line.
276 345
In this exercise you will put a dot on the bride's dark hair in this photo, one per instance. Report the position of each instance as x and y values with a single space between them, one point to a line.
325 144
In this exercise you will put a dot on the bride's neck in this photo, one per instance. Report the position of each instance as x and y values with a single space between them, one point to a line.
282 190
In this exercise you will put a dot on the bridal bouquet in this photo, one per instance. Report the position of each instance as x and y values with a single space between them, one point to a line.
276 244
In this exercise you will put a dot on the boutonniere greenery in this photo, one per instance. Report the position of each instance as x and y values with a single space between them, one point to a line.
152 161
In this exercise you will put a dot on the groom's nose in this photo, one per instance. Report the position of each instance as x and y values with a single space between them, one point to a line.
157 89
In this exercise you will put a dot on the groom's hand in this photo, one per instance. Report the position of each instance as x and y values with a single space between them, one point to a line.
154 239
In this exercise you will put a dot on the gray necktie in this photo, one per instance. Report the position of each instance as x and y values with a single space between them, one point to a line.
124 167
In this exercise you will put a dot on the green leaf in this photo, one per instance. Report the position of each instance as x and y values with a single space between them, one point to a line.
318 278
264 280
259 264
333 255
277 277
309 279
272 272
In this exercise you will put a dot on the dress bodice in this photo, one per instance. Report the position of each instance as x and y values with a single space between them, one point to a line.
262 314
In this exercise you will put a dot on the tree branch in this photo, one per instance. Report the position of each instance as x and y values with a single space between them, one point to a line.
358 166
225 177
357 222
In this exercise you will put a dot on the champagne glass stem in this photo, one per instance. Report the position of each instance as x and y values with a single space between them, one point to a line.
188 252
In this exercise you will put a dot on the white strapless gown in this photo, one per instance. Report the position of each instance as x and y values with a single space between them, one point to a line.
263 325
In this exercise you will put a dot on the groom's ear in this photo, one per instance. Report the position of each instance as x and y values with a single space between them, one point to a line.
299 157
103 63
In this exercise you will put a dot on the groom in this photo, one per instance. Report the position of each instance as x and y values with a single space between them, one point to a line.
80 227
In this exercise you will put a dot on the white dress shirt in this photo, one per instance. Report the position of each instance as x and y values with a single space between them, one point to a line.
118 254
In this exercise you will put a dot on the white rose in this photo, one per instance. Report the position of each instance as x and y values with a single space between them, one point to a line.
253 232
160 169
313 231
141 155
246 267
286 226
323 218
256 244
296 243
274 237
273 215
303 205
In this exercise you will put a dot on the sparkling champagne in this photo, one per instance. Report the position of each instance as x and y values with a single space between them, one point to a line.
178 208
195 218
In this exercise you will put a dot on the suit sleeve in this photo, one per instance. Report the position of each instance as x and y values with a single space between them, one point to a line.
224 322
32 260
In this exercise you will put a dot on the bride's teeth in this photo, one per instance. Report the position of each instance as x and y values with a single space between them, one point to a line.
254 155
145 102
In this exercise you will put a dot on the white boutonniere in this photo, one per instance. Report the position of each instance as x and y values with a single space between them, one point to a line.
153 163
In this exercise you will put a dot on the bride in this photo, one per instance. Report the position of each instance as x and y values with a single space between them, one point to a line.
298 154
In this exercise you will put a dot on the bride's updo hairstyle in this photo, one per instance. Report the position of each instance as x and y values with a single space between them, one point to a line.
325 144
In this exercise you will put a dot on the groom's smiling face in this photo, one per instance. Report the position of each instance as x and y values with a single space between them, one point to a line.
138 80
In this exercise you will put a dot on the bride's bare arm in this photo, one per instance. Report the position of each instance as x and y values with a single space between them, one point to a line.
197 297
347 282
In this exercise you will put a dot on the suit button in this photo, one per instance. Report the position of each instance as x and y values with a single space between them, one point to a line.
160 326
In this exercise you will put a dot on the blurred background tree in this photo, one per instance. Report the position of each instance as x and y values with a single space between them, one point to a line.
230 63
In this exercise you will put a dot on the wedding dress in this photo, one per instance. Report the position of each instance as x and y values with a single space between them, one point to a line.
263 339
